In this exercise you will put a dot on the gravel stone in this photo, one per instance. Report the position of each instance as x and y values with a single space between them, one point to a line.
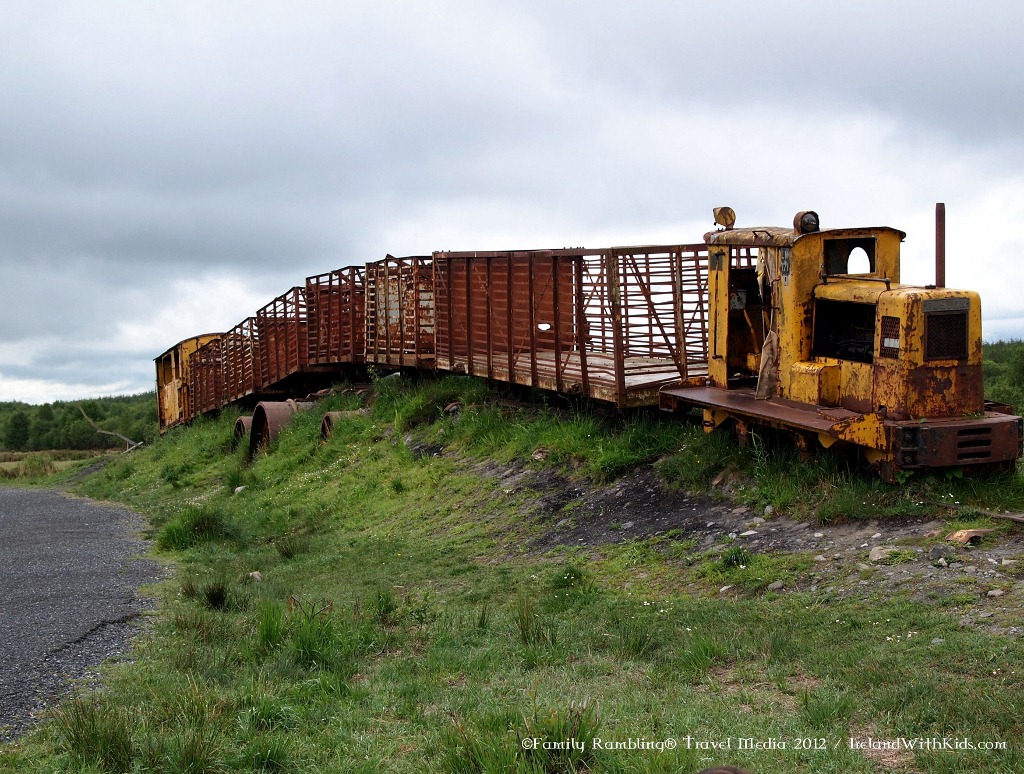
880 554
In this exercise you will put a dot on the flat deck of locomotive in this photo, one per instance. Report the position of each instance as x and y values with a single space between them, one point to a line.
774 411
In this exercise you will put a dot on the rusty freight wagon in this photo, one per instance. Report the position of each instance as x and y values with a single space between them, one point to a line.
282 328
240 350
206 377
336 327
172 381
400 312
613 324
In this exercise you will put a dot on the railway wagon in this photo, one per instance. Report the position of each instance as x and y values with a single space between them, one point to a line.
613 324
303 336
241 357
282 329
173 384
336 308
811 331
206 378
399 312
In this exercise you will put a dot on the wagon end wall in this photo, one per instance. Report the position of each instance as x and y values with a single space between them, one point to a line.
400 313
336 308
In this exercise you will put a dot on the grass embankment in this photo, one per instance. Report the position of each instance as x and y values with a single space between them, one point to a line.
399 621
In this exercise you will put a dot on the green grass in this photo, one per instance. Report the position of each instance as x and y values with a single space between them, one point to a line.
830 487
407 628
96 733
738 568
44 468
196 524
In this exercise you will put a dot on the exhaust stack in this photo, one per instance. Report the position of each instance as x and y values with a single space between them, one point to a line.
940 245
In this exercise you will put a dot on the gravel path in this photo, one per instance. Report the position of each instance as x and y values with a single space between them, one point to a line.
69 574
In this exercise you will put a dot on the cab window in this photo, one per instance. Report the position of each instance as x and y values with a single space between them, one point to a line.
850 256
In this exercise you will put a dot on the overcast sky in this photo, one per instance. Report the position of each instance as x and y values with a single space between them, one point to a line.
166 168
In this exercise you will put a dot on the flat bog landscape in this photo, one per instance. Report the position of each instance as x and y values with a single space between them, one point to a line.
459 582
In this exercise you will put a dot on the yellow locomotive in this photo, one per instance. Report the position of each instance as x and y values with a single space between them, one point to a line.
811 331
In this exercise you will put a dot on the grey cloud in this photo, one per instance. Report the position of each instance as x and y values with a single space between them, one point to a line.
268 141
946 67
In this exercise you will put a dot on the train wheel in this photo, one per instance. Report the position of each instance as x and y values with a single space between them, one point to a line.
806 445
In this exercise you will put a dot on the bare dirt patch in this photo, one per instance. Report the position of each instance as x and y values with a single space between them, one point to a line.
728 682
882 749
982 583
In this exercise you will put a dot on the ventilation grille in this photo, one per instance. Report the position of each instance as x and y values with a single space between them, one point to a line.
890 337
945 335
974 443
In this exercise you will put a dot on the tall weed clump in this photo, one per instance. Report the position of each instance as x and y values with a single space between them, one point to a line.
410 404
506 743
96 733
533 628
270 624
699 458
197 524
321 639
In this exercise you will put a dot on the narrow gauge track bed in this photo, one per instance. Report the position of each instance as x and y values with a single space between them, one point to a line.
70 570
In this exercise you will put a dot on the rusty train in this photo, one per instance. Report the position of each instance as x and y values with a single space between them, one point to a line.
802 329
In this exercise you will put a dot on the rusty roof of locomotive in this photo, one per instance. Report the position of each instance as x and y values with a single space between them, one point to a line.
776 236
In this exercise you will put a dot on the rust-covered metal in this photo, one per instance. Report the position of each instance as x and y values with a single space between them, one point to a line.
173 383
336 326
812 331
240 434
269 418
939 442
327 424
613 324
206 377
241 354
282 327
400 312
